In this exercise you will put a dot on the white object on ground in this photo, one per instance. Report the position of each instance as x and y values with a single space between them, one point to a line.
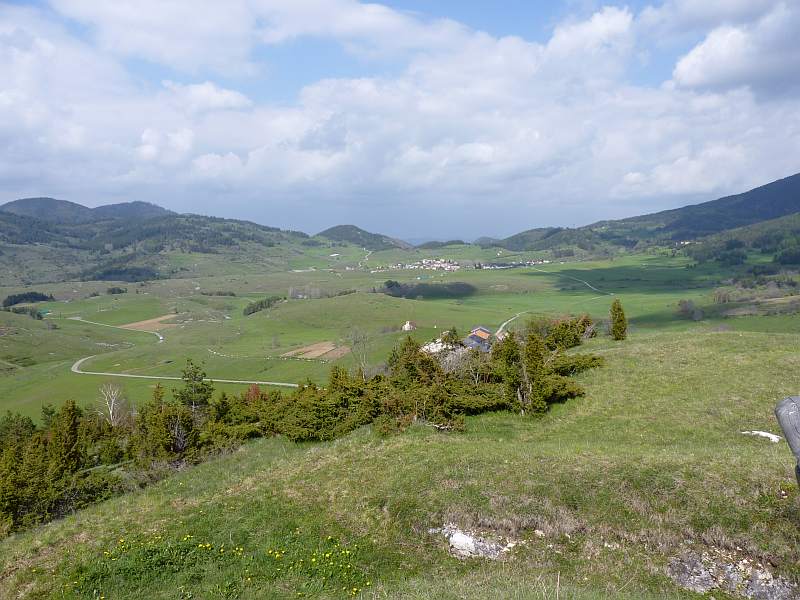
765 434
464 544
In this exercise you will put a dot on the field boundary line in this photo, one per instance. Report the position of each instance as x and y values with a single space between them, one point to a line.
82 320
76 368
584 282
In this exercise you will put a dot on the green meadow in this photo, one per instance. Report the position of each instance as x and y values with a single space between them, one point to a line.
212 330
649 464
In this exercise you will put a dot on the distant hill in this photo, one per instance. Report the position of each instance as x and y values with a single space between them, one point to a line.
434 245
130 210
528 239
767 202
357 236
44 239
63 212
49 210
770 201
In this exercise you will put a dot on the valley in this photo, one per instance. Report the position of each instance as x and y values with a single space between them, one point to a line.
599 495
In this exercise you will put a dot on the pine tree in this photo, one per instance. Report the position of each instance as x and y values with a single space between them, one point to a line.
36 489
151 438
65 451
9 488
534 374
196 390
408 363
507 358
619 324
338 380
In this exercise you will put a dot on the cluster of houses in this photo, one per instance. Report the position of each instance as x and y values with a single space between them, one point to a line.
446 264
430 264
512 264
480 339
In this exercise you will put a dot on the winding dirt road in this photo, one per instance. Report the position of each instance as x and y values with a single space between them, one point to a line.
76 367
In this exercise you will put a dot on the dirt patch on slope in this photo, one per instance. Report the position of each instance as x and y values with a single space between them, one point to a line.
336 353
151 324
325 350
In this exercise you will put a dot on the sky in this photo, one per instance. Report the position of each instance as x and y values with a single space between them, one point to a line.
414 118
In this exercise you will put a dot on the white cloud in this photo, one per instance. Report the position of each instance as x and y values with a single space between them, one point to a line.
168 148
705 171
183 34
763 55
679 16
476 133
205 96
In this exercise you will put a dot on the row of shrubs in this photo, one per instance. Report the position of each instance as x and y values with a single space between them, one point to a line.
77 456
25 297
31 311
262 304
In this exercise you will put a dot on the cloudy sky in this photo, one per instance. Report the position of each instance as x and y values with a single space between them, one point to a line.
417 118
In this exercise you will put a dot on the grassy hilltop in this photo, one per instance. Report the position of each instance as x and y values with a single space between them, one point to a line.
600 494
651 462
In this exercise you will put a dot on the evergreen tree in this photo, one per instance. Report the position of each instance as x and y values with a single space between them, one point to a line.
152 437
48 414
196 390
506 356
410 365
338 380
9 488
619 324
534 374
451 337
65 450
220 408
15 429
36 489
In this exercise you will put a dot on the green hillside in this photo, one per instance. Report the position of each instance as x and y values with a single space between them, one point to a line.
63 212
764 203
46 240
49 209
602 493
357 236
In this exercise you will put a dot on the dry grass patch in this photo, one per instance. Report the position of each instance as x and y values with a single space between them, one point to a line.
151 324
326 350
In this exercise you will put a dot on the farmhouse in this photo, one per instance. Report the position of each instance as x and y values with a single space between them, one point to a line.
479 338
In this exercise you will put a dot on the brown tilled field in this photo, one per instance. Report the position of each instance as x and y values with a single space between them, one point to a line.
151 324
326 350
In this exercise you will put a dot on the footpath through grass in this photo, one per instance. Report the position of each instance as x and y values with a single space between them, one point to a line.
649 463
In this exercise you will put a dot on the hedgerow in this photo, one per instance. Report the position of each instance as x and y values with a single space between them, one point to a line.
77 457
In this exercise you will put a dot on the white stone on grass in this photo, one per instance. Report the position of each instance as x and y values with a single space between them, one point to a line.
765 434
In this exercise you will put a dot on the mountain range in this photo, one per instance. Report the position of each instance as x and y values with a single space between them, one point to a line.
122 240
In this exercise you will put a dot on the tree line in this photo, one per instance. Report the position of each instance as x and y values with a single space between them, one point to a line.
76 456
25 297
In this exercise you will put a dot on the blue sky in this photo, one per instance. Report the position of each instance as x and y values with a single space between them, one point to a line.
418 119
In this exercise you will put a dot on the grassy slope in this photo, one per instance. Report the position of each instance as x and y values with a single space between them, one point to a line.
652 460
650 287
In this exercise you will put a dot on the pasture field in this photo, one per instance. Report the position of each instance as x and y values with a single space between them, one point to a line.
212 330
649 464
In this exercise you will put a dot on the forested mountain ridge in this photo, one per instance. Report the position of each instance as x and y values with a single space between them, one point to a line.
65 212
355 235
134 240
42 239
767 202
771 201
